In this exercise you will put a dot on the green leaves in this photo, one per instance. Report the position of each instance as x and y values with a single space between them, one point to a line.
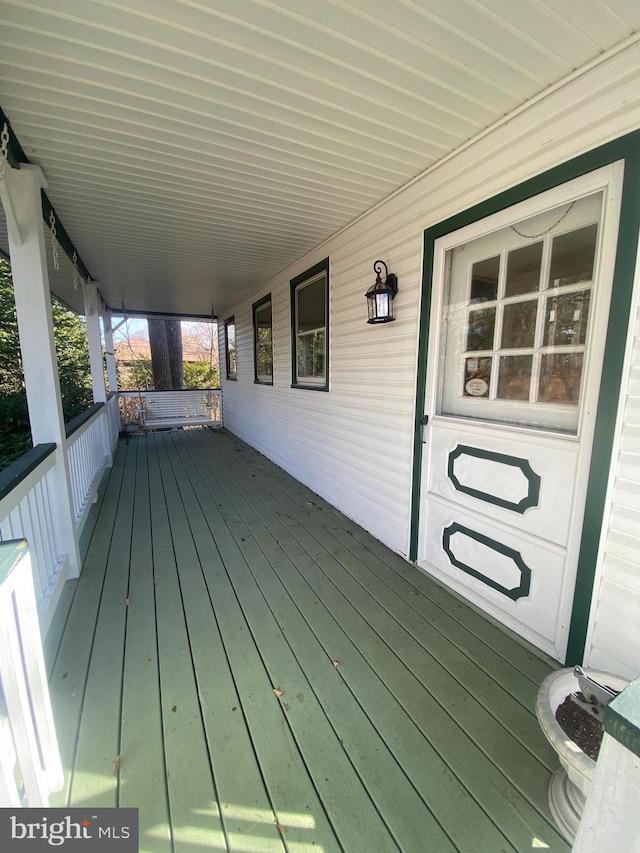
72 350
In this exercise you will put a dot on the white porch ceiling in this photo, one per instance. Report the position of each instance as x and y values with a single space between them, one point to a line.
195 149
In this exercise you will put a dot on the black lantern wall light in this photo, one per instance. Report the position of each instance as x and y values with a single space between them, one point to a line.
380 295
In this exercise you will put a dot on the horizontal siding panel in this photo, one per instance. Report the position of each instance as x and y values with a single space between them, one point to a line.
614 635
626 520
620 590
612 616
622 545
623 573
614 657
625 601
621 648
632 411
628 467
354 445
630 438
627 494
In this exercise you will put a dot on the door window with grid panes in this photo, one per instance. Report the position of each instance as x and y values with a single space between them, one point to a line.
517 319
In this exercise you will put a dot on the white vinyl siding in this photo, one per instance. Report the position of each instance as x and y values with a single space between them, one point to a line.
354 445
613 643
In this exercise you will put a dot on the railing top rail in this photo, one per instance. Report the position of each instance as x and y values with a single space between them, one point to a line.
79 421
11 552
15 473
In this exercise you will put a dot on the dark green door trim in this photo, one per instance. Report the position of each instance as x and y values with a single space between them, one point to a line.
625 148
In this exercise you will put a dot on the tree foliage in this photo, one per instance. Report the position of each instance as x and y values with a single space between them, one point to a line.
200 374
73 366
139 375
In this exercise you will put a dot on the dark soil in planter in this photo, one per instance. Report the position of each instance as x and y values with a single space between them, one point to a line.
583 729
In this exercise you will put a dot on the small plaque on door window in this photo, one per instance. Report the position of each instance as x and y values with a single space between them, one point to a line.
477 375
476 388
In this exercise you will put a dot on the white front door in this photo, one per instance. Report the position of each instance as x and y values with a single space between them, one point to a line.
518 325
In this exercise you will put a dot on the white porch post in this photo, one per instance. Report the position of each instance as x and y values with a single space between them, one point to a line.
110 355
20 193
92 314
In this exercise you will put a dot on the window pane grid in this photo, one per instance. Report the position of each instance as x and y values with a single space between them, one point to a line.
509 337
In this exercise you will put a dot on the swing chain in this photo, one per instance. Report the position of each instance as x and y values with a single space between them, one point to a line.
4 149
76 280
54 240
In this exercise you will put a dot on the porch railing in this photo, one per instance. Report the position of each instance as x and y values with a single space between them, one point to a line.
89 450
27 509
30 767
27 502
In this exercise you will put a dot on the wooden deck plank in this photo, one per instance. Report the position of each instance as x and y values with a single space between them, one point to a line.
51 642
247 814
469 628
193 801
351 618
516 666
95 775
67 682
143 770
241 580
292 792
470 675
293 602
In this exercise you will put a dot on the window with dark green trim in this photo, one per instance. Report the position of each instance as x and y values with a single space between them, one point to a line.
230 353
310 328
263 342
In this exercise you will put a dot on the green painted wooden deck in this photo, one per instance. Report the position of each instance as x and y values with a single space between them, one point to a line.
256 673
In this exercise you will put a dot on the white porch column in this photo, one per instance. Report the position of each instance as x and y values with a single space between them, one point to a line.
109 352
20 194
92 314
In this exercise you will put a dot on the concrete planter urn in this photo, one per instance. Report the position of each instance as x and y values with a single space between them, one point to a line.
570 784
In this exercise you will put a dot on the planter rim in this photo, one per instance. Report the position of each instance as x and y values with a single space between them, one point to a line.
553 691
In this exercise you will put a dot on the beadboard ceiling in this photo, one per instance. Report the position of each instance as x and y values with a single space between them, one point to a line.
195 149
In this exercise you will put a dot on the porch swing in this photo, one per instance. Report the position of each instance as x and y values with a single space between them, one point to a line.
180 408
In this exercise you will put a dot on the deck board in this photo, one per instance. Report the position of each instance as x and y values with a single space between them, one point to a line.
414 676
405 720
95 776
142 781
290 781
70 664
193 801
362 580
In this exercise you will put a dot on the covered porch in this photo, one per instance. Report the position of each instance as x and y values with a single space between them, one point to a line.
256 672
252 657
